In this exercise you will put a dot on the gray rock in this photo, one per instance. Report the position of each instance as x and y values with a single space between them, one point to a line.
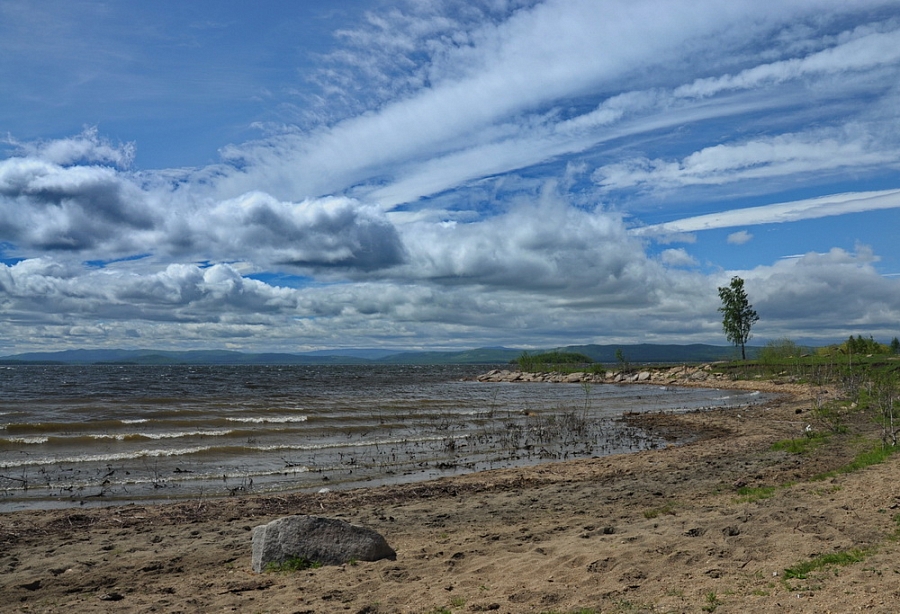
320 540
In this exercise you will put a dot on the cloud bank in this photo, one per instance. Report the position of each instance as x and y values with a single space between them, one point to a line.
486 173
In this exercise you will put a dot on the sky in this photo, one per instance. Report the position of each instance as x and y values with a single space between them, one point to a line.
445 174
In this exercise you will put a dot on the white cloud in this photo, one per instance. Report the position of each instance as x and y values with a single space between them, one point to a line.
677 258
321 233
811 208
740 237
476 124
829 295
86 148
784 155
861 49
46 206
555 51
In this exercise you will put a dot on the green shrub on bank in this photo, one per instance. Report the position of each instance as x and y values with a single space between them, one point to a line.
565 362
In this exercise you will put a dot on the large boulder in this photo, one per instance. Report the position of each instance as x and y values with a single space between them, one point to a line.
318 540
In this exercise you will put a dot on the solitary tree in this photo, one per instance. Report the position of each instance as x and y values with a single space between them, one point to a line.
737 314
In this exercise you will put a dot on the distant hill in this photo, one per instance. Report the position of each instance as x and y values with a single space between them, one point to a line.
157 357
480 356
641 353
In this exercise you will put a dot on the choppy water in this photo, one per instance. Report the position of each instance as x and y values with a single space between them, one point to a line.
73 435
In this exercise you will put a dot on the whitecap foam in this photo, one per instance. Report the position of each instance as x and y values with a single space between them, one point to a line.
166 435
104 458
37 439
133 420
269 419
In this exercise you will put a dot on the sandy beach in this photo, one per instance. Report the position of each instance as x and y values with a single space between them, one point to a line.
657 531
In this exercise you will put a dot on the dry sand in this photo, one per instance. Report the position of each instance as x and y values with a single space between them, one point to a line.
658 531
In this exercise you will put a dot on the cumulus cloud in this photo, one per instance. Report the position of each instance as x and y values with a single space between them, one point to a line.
97 211
317 233
813 292
47 206
481 173
740 237
46 289
86 148
545 245
677 258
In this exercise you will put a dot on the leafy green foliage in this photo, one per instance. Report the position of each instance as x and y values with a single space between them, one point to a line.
738 316
779 351
553 361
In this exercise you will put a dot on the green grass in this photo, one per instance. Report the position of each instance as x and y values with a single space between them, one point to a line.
749 494
801 445
712 602
295 563
866 458
801 570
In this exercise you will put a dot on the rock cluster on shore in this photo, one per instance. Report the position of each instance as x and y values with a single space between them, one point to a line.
668 375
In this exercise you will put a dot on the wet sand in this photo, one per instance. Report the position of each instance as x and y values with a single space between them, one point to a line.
657 531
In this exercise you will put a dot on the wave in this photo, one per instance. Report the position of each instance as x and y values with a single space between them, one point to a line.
91 438
268 419
353 444
61 427
105 458
169 435
37 439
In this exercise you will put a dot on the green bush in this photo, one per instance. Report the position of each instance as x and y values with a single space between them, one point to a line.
779 350
552 361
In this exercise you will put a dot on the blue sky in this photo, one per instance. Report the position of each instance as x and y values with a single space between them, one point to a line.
445 173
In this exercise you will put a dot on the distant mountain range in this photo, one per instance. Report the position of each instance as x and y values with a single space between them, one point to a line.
642 353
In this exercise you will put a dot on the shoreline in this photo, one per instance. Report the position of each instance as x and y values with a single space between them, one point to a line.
661 530
512 427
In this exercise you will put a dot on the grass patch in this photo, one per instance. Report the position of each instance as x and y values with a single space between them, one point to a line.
895 536
801 570
749 494
667 509
801 445
712 602
873 456
294 563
